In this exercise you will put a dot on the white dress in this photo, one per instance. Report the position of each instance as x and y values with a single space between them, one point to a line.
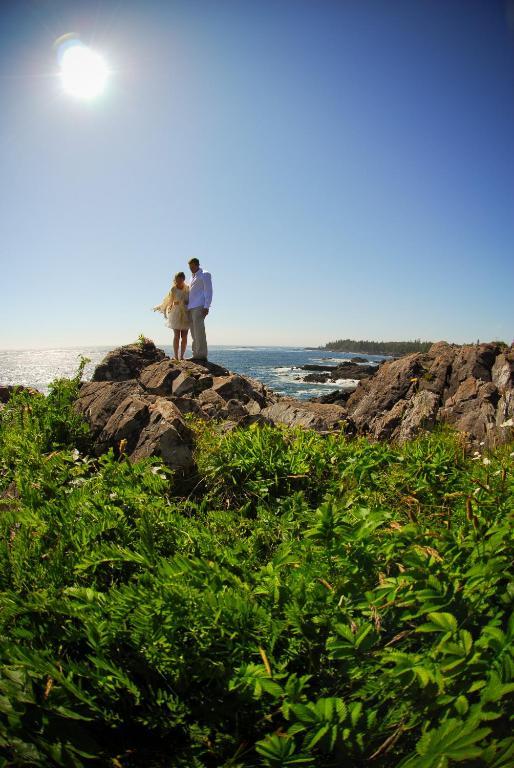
177 316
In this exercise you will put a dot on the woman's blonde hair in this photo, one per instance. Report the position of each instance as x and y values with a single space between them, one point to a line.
177 276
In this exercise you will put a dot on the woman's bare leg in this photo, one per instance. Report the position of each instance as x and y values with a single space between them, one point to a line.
183 344
176 339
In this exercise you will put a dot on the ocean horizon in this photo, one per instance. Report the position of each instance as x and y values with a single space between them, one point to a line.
278 367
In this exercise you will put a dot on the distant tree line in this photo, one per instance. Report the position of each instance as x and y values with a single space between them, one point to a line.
378 347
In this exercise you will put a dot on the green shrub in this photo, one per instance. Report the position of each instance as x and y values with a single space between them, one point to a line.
315 601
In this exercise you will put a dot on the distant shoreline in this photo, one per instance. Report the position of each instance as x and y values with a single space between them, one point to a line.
365 347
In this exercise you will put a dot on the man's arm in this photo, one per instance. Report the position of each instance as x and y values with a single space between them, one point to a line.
207 291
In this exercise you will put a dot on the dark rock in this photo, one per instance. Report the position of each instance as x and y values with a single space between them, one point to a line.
184 384
127 421
201 369
158 378
127 362
7 390
317 378
235 410
345 370
472 360
98 400
336 397
188 405
235 387
167 436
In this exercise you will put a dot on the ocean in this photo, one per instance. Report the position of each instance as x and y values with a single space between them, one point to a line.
279 368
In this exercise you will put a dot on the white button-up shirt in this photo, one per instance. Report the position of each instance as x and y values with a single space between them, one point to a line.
200 290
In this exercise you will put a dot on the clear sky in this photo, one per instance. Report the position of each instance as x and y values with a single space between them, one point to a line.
344 168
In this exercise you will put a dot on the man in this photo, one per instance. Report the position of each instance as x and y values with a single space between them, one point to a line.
200 297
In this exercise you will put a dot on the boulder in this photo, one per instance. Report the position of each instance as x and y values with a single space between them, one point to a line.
127 362
165 442
7 391
296 413
345 370
184 384
98 400
235 387
158 378
438 365
188 405
235 410
127 421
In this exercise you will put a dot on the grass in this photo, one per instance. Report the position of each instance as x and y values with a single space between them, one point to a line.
316 601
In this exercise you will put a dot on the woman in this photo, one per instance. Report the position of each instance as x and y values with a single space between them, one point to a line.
174 309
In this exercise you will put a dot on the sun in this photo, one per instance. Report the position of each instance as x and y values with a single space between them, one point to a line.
84 73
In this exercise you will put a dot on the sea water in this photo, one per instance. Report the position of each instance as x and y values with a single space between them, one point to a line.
280 368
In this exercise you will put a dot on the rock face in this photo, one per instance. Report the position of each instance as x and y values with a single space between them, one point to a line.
139 398
470 387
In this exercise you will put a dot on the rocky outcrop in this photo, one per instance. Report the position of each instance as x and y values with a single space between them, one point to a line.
127 362
469 387
138 401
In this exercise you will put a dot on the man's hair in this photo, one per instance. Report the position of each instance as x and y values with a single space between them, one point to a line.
194 261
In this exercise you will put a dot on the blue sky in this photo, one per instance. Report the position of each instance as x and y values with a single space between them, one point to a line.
344 168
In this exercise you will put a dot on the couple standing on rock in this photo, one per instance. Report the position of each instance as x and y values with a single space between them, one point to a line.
186 307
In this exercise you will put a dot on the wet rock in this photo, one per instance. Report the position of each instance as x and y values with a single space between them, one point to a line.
345 370
336 397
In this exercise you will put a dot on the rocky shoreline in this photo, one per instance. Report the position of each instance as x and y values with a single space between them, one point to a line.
139 399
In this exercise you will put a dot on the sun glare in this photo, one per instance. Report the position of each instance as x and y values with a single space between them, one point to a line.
84 72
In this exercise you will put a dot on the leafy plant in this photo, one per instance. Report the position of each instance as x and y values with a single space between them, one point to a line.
316 601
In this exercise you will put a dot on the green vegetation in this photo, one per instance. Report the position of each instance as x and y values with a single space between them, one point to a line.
314 602
378 347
